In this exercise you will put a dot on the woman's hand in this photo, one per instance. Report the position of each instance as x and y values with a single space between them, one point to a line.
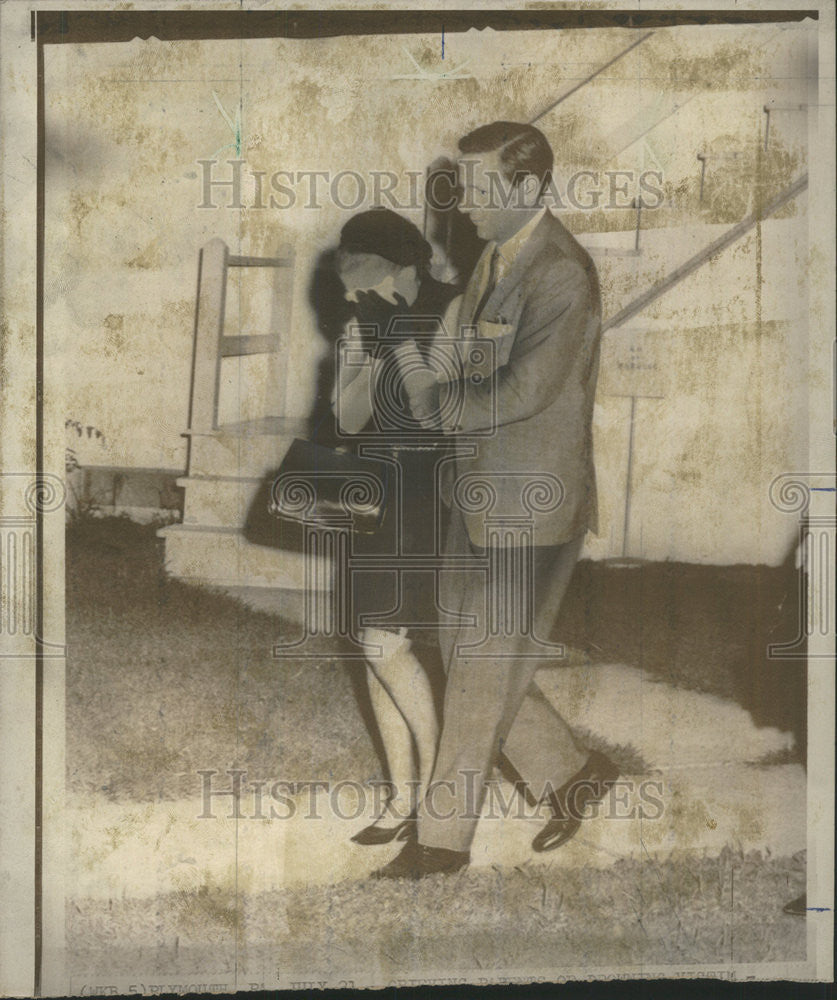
372 310
420 383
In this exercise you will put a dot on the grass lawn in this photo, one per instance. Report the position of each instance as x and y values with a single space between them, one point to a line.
682 913
165 679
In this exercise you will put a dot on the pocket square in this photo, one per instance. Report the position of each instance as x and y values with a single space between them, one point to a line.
502 335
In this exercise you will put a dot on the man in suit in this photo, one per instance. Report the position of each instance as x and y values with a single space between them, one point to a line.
534 291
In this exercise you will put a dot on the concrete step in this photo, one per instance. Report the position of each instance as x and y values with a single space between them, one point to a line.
249 449
222 454
221 557
218 501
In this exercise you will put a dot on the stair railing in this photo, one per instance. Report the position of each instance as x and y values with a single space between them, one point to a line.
211 343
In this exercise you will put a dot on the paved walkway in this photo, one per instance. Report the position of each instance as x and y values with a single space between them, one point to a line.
710 785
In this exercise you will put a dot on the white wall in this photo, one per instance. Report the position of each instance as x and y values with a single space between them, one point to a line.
126 125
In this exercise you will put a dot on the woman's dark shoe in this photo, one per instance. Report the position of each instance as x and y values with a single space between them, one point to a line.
377 834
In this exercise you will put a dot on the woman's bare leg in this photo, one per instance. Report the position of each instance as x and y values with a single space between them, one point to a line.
398 747
398 670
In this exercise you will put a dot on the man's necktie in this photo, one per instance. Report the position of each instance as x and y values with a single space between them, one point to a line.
490 285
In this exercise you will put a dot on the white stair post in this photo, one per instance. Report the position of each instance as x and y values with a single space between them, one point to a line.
209 328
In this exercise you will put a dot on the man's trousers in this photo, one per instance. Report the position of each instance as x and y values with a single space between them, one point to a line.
491 704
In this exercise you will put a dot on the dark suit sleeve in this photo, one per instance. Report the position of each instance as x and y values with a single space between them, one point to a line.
553 330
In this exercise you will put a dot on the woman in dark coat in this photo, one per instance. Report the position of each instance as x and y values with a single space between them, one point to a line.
400 312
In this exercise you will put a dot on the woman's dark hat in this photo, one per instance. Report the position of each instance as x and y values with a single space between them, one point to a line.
388 235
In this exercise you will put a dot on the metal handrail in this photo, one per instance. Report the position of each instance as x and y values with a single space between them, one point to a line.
700 258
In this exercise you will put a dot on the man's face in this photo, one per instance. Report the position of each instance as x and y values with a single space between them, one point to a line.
496 209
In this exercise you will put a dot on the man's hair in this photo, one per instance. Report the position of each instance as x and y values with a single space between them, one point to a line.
523 150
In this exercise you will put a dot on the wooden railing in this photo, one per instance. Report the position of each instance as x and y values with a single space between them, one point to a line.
212 344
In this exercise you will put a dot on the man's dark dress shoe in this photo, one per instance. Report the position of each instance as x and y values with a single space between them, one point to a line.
374 834
797 907
568 803
416 861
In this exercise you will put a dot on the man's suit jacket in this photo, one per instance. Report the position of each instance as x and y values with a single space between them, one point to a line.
549 304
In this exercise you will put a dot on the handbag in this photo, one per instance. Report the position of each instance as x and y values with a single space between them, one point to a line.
317 486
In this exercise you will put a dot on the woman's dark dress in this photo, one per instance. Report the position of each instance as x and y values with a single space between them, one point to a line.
381 597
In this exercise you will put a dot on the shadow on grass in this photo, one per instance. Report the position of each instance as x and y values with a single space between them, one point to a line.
165 679
702 628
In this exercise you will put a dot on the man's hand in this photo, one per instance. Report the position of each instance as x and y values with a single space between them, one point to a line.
420 384
423 398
